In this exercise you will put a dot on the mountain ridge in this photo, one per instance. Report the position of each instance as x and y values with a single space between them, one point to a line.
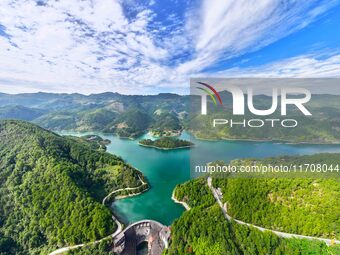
51 189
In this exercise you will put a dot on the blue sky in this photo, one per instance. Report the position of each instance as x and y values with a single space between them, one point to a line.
149 46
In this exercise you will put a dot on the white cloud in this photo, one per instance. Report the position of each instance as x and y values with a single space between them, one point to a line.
297 67
78 43
93 46
225 29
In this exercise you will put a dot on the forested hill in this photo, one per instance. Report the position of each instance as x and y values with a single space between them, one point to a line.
168 114
166 143
51 189
126 116
203 230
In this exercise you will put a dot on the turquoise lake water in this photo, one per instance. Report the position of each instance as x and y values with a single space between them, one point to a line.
165 169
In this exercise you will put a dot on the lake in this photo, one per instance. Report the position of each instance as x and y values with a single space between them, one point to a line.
165 169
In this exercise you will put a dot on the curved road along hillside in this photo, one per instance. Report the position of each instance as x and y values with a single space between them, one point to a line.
119 225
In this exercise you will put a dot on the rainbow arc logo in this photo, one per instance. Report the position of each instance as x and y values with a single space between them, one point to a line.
210 91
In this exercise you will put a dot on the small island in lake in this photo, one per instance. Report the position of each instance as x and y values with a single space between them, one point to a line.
95 141
166 143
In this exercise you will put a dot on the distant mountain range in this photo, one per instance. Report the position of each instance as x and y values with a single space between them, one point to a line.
165 114
127 116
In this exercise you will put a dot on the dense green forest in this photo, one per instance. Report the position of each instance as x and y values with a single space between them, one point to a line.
126 116
131 123
203 230
307 204
168 114
102 248
80 120
297 205
51 189
95 141
166 143
20 112
165 124
194 193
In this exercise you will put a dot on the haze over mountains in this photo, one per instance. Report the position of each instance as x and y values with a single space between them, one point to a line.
128 116
166 114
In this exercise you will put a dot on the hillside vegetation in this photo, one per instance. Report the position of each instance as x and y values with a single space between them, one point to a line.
51 189
203 230
95 141
166 143
306 205
165 124
19 112
102 248
168 114
126 116
302 206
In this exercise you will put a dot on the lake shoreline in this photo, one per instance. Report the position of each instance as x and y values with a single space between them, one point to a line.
184 204
262 140
166 149
119 197
201 138
172 134
277 141
164 170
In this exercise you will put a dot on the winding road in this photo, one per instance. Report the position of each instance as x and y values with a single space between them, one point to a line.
124 189
278 233
119 225
184 204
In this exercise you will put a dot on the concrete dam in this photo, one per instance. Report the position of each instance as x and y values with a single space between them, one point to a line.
154 233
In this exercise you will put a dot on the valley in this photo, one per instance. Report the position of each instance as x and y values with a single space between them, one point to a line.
95 128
